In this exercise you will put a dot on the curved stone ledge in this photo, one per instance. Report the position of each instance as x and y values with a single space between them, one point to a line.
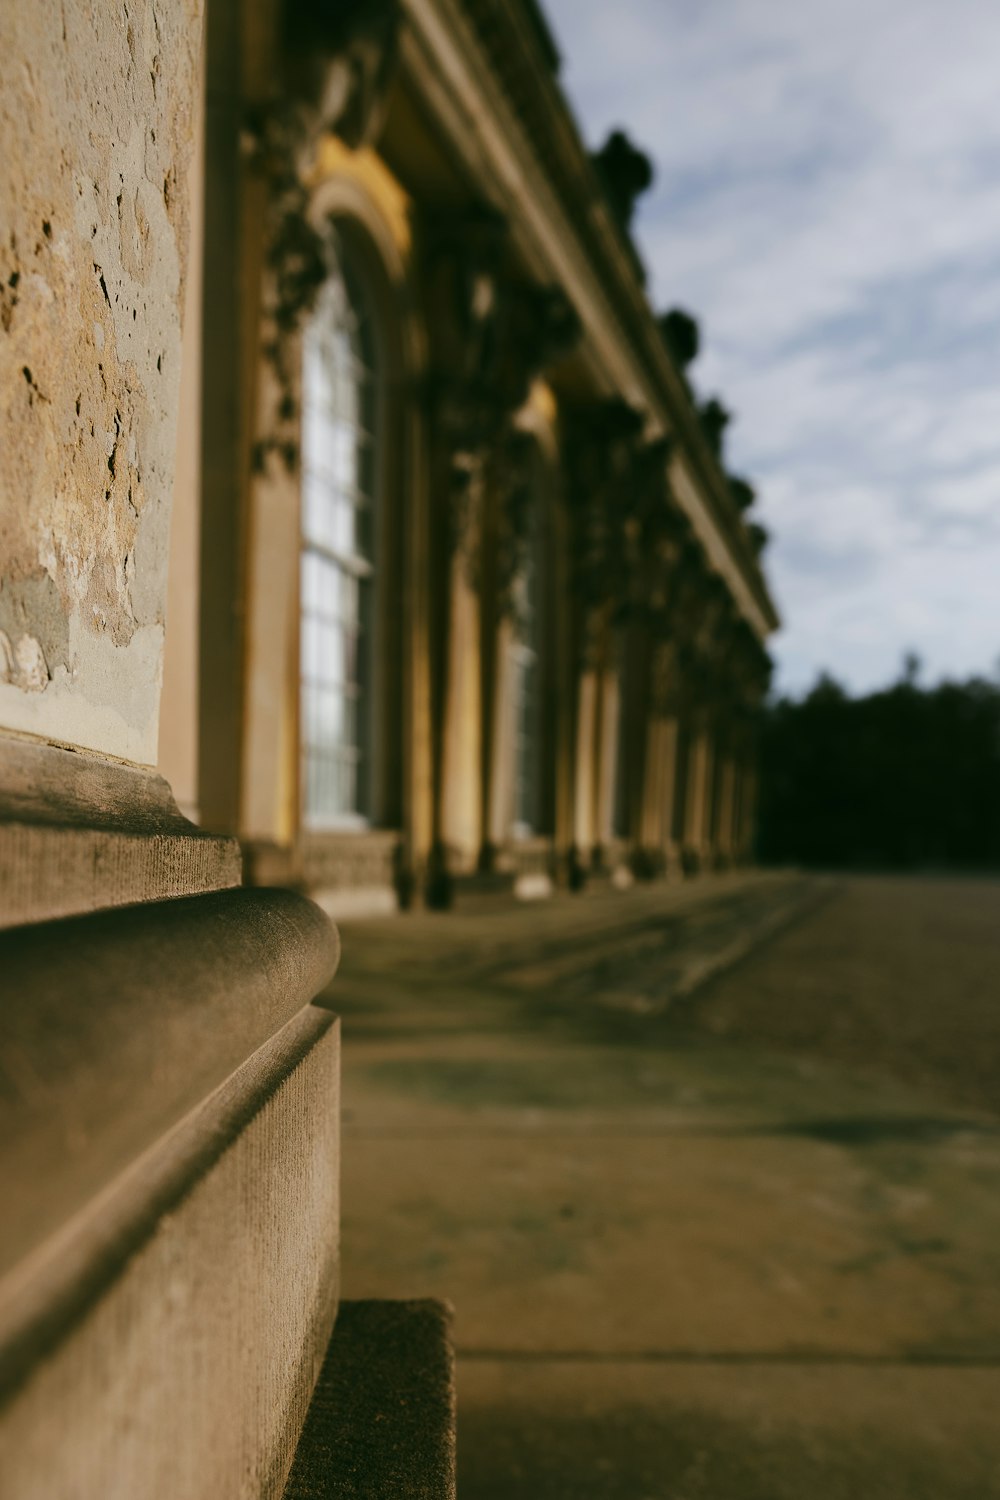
115 1026
49 784
79 833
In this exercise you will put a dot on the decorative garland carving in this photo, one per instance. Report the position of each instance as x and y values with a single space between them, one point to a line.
600 451
493 337
628 534
338 67
339 60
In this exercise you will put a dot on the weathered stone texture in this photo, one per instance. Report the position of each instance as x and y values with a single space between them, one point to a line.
190 1373
95 123
78 833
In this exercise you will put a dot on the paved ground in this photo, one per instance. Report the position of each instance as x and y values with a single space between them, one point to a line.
734 1237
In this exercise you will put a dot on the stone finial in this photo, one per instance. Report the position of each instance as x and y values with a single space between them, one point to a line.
625 172
681 335
714 418
743 493
758 536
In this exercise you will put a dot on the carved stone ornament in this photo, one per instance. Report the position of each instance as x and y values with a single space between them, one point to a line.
462 257
492 336
628 534
658 533
339 61
751 668
663 679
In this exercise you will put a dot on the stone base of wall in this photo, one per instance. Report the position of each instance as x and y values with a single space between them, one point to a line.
349 873
171 1170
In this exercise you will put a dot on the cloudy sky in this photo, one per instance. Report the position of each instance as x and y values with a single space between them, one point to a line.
827 203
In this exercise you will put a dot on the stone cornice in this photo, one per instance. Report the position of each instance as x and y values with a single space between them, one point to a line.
480 69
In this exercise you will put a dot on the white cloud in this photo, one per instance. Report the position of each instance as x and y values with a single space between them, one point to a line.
828 203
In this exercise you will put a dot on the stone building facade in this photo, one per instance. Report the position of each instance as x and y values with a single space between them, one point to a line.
476 605
351 506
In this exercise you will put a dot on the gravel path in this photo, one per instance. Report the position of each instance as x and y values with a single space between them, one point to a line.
894 975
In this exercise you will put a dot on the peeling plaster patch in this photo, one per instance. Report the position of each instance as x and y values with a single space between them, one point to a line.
32 672
103 718
32 607
24 664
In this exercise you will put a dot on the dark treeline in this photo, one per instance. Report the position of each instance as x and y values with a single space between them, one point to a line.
906 777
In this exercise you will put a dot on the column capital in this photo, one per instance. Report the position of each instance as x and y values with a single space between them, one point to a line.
492 336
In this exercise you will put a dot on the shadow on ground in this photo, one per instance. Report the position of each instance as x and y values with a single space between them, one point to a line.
707 1232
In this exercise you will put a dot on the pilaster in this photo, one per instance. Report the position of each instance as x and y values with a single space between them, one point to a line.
491 335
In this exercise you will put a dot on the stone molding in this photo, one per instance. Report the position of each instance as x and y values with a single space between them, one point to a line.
176 1326
79 833
116 1025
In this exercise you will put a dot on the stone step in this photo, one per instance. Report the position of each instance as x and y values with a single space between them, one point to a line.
381 1424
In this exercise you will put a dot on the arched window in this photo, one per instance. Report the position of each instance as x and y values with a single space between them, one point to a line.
338 559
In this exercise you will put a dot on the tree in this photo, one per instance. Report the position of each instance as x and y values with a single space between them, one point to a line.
905 777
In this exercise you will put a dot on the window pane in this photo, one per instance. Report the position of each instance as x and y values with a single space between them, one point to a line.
343 536
344 456
312 649
314 510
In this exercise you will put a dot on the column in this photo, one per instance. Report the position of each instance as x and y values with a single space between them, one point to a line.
724 810
697 847
669 790
585 826
461 777
608 752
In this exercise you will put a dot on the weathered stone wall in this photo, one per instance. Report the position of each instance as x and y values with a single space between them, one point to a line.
177 758
95 125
